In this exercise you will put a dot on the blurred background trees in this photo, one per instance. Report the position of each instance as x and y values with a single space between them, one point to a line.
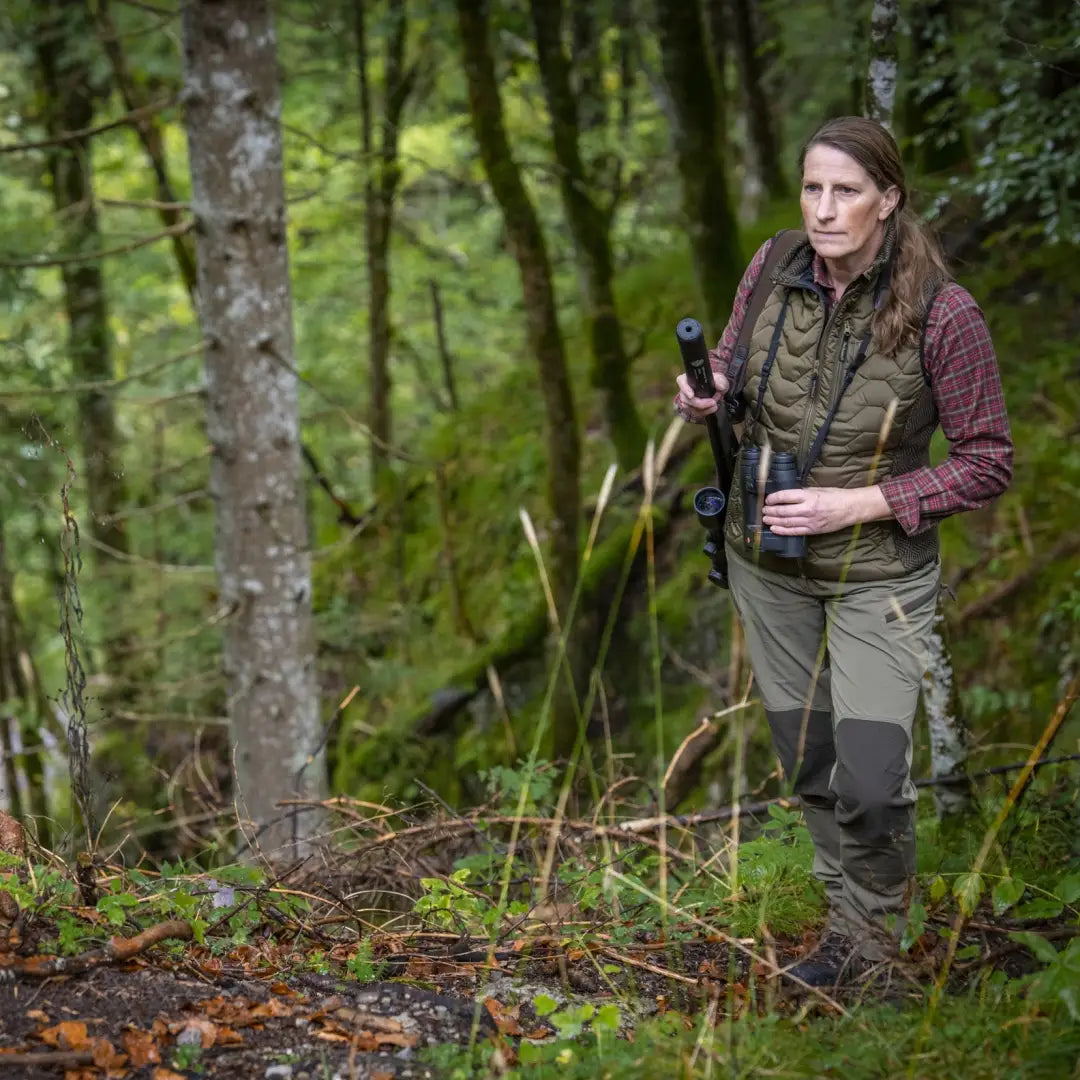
437 285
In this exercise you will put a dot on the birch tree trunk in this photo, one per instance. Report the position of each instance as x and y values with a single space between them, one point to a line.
261 543
949 740
881 76
949 735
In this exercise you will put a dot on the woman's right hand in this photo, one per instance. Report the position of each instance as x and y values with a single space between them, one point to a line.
693 408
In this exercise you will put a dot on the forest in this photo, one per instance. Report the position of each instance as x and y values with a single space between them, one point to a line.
366 709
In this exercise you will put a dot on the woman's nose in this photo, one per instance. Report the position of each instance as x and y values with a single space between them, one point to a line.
826 207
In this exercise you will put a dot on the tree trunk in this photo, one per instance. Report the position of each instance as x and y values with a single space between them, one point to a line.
587 66
383 172
590 231
710 222
762 141
70 95
261 542
23 708
881 75
545 338
949 736
627 53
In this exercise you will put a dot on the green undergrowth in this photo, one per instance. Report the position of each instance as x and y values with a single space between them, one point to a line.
991 1032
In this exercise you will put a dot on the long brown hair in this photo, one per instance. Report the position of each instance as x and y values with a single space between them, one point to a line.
918 261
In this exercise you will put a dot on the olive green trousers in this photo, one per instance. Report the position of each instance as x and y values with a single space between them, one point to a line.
838 668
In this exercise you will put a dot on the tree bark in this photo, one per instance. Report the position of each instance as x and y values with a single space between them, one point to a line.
762 140
881 75
69 107
590 228
261 542
383 173
949 735
714 245
23 707
545 338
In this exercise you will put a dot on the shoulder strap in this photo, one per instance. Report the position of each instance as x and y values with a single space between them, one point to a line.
783 244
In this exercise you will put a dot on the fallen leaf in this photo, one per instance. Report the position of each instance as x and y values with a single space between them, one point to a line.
141 1047
161 1073
106 1056
67 1035
38 1014
506 1019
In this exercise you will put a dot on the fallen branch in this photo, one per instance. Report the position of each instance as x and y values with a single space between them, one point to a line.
118 949
48 1059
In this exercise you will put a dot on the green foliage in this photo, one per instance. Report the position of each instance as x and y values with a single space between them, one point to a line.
361 966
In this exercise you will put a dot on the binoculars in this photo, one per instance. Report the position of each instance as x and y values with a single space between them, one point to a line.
783 475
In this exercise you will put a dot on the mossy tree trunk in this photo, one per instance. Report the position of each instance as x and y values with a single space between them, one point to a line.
561 435
65 59
382 176
261 539
590 227
710 222
761 135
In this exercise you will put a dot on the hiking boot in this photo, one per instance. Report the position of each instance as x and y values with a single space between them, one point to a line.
829 963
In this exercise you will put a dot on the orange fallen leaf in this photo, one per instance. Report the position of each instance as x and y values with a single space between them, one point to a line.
161 1073
106 1056
141 1047
67 1035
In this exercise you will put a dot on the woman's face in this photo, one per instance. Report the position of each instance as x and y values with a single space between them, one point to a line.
843 210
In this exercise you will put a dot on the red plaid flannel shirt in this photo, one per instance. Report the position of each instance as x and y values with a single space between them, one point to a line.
964 379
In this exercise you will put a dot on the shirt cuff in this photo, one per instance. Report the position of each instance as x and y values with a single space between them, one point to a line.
903 501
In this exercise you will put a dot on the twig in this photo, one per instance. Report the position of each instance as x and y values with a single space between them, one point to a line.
47 1058
89 256
611 954
118 949
85 133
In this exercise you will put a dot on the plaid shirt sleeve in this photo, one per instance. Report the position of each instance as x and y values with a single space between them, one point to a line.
720 357
966 385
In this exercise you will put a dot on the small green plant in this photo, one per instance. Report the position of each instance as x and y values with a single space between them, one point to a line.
448 904
187 1057
361 966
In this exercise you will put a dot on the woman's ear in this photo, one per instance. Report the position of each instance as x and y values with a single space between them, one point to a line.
890 201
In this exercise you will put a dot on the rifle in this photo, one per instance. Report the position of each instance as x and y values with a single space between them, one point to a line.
710 503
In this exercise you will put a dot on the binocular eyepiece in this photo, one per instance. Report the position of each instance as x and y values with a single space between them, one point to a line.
783 476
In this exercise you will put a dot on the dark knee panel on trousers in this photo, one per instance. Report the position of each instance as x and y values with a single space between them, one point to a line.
871 767
809 770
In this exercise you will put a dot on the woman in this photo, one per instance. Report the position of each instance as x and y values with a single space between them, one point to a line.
863 348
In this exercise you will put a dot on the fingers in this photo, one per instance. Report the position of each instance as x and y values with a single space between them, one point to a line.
691 403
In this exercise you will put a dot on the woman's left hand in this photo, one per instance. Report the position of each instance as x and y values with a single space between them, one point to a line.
810 511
